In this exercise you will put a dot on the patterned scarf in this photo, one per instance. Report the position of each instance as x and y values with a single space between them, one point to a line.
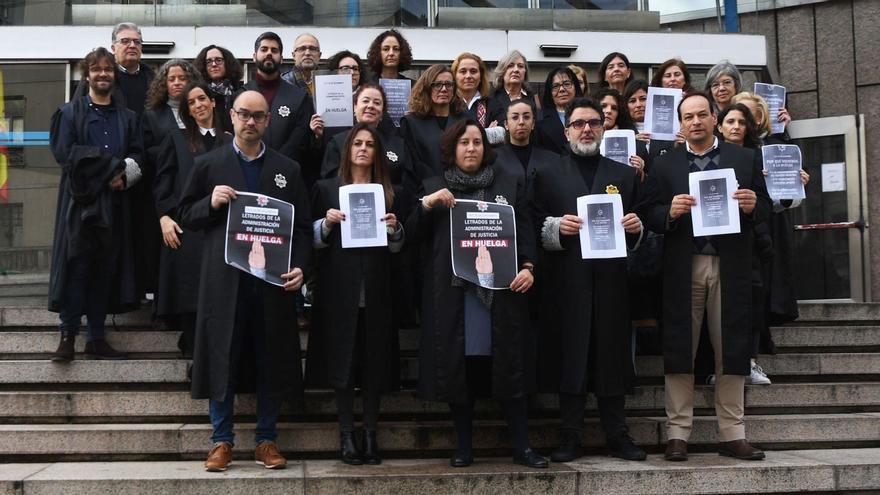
471 187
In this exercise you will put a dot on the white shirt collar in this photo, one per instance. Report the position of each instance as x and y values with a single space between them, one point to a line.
473 100
689 150
210 131
522 93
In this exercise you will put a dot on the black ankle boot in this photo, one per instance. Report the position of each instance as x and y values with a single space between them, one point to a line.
65 350
569 447
350 453
371 448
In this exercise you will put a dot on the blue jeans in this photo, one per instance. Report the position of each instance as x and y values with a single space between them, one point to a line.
249 324
87 290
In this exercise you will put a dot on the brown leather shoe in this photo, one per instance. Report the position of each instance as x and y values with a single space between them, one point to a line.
219 457
740 449
267 455
676 450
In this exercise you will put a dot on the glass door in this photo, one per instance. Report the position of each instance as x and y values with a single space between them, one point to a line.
831 244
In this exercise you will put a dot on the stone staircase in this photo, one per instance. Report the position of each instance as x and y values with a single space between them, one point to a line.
130 426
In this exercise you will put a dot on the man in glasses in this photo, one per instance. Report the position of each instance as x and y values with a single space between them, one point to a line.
290 106
586 338
133 77
97 142
236 310
306 56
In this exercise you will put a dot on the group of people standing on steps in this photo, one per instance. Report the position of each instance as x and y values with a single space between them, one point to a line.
152 161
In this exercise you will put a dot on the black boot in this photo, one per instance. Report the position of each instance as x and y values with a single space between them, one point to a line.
529 458
622 447
100 349
569 447
65 351
350 453
371 448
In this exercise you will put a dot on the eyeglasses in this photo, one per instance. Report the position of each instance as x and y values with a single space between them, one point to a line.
565 84
307 48
129 41
215 61
580 123
347 69
727 83
442 85
244 116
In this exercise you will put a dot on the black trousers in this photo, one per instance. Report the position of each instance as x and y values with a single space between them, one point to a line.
611 414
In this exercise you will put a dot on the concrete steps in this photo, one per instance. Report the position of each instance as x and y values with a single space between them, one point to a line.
782 472
124 405
413 438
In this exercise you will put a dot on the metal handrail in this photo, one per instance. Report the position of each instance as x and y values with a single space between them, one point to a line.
858 224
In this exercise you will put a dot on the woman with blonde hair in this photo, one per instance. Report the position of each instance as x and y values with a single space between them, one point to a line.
472 86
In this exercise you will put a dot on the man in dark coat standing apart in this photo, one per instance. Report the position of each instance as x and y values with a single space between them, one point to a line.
708 276
97 142
586 339
235 310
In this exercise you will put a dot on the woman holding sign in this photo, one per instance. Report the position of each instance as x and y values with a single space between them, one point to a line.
480 337
180 257
352 340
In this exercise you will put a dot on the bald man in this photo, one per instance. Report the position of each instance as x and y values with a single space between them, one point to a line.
237 311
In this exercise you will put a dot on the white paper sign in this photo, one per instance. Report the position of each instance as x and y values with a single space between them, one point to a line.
783 165
716 212
661 113
774 95
364 207
833 177
602 234
333 100
618 145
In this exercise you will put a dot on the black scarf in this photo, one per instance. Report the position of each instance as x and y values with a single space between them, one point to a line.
223 87
471 187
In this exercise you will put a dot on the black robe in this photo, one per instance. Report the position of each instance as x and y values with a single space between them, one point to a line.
342 273
396 155
219 282
507 161
288 132
550 133
669 177
69 128
499 101
156 124
422 137
178 284
442 374
584 301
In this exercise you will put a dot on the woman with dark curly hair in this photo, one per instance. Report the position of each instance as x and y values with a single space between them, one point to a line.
160 119
480 339
346 62
434 106
222 71
389 55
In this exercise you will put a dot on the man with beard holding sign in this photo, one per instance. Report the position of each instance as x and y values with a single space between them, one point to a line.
237 310
585 344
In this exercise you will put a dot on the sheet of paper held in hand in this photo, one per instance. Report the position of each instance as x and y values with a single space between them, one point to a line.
333 101
364 207
618 145
716 212
661 113
602 234
783 165
259 230
482 238
774 95
397 97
